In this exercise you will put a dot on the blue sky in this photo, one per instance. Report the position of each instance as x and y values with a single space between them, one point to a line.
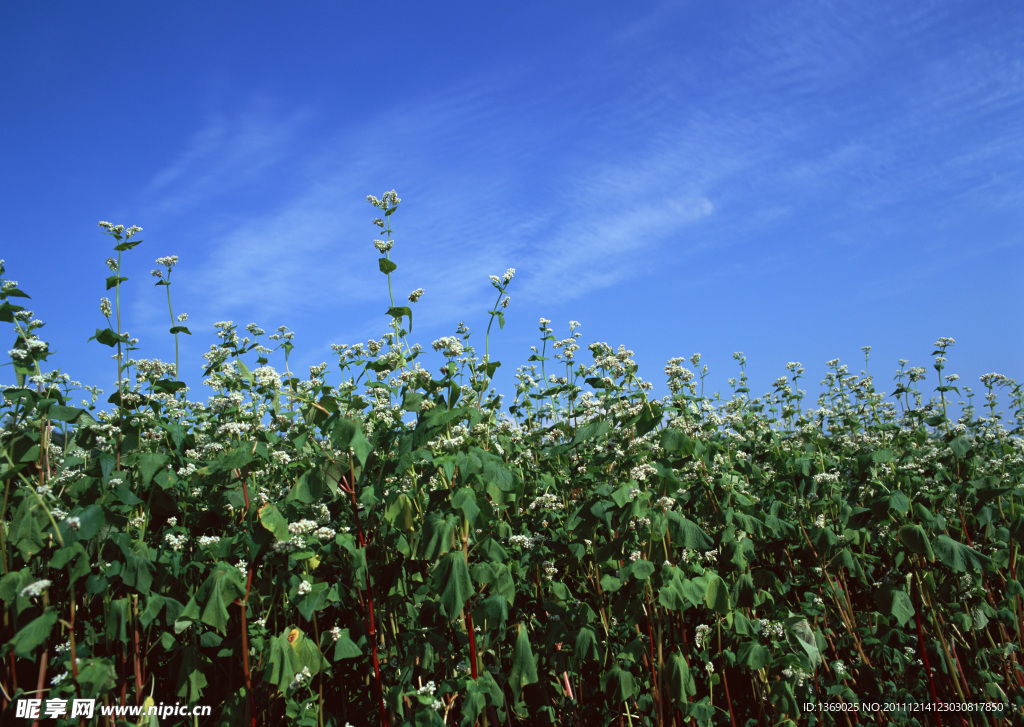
793 180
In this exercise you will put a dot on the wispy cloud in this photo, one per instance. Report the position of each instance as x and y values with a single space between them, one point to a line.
499 174
231 152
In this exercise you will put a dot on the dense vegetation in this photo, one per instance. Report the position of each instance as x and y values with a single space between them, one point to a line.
395 549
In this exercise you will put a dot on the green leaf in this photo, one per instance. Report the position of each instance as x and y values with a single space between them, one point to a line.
90 521
305 653
754 655
671 596
398 311
138 572
108 337
895 602
673 440
695 590
33 635
641 569
342 433
524 666
437 534
491 550
961 558
221 588
899 502
272 519
14 293
801 629
914 537
650 418
361 448
688 533
65 555
474 701
451 579
465 499
495 608
118 616
26 533
586 645
113 280
345 647
149 464
60 413
386 266
308 488
961 446
237 458
590 431
97 676
154 604
717 595
618 684
191 676
680 680
280 670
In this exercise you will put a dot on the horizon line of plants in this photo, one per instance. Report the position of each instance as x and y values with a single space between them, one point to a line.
397 549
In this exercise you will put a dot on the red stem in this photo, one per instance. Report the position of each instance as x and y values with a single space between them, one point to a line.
924 657
42 679
251 705
139 666
349 484
728 699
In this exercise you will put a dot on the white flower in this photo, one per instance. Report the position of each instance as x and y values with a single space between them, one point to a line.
32 590
702 633
305 587
177 542
449 344
301 678
302 527
549 501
